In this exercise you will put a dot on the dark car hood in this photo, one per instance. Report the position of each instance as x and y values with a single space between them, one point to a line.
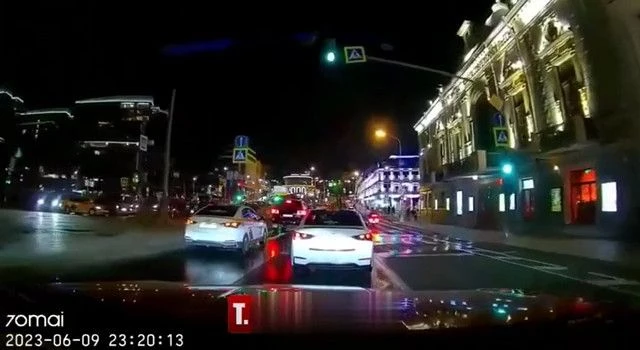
289 308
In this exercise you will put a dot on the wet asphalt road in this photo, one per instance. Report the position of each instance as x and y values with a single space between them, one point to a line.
405 258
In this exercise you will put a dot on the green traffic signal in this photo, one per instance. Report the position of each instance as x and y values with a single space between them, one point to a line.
507 168
331 56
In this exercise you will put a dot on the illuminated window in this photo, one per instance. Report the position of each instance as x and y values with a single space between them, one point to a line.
447 203
556 200
470 204
501 203
512 201
459 202
527 184
435 204
609 197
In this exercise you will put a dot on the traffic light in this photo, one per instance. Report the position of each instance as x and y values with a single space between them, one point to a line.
331 56
507 168
330 51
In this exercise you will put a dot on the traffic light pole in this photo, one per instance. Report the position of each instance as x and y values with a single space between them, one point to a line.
422 68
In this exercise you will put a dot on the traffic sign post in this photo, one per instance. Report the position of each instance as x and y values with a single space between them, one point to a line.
501 136
240 155
354 54
241 141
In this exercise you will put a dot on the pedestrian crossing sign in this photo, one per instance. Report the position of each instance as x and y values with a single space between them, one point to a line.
354 54
501 136
239 155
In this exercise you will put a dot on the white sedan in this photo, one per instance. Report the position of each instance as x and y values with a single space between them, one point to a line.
332 238
226 226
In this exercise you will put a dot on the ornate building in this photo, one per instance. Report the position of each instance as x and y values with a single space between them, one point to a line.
541 125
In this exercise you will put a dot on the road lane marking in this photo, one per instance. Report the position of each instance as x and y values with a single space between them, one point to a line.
611 281
557 274
389 273
429 255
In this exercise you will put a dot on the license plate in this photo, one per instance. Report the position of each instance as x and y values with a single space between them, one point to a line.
209 225
287 215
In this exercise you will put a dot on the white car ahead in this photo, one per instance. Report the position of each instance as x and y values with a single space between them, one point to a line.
226 226
332 238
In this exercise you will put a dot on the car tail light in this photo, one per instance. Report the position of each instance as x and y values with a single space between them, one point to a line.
232 224
275 211
189 222
364 236
301 212
288 201
301 235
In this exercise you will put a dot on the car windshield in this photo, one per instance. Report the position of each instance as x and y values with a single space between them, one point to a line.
333 218
218 210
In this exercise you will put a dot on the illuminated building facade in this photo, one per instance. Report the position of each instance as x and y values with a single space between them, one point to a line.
393 183
543 128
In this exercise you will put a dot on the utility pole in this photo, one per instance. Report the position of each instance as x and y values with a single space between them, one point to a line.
167 158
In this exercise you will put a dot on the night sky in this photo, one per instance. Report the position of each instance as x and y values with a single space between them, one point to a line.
268 84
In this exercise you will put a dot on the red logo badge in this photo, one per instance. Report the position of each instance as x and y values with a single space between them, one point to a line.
239 313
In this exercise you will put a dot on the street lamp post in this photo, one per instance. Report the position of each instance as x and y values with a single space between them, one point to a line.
383 134
167 157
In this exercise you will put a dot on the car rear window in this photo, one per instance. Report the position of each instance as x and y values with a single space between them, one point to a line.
218 210
291 205
333 218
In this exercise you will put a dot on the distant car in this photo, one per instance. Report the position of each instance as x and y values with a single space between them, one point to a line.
373 218
288 213
235 227
337 238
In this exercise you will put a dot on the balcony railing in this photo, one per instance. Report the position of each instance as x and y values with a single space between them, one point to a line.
556 136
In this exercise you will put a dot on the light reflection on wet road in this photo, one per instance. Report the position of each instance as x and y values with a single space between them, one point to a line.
404 258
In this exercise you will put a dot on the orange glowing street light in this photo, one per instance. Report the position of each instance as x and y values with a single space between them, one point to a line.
381 134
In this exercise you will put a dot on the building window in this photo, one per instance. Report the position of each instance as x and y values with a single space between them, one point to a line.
501 203
447 203
459 202
556 200
609 197
470 204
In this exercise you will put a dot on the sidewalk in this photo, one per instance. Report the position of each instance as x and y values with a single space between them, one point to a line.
622 253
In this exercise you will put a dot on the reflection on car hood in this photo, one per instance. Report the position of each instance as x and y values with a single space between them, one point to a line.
301 307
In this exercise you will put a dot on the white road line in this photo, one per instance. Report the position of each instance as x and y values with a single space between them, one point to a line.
550 272
392 276
429 255
611 281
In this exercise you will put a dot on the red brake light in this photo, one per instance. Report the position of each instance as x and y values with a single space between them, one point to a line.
364 236
301 212
232 224
275 211
288 201
301 235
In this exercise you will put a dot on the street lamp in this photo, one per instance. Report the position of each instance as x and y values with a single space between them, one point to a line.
312 168
356 173
381 134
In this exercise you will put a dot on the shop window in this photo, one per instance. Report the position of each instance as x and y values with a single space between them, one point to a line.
609 197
